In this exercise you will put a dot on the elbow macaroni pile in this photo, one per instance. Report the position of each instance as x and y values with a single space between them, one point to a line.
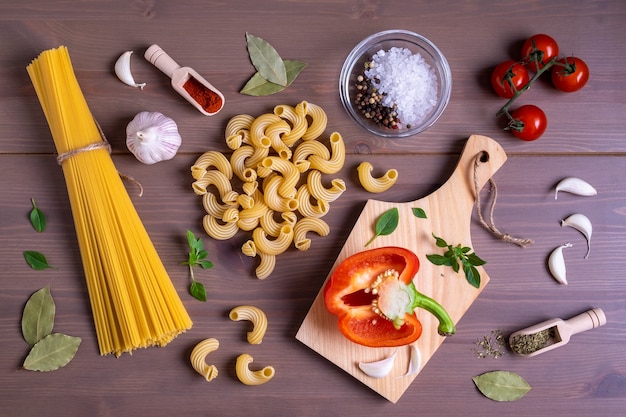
272 154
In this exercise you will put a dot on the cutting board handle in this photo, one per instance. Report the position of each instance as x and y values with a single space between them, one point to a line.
461 186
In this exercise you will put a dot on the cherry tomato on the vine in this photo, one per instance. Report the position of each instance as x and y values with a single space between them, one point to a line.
529 122
509 77
538 50
569 74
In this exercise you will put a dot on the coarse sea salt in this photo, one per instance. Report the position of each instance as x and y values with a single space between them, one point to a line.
406 81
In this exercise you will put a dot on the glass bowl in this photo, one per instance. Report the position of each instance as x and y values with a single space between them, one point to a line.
384 41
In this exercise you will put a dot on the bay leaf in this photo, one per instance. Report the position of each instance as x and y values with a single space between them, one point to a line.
52 352
259 86
38 316
502 385
266 60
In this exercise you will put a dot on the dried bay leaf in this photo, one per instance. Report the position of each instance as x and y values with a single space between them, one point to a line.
502 385
266 60
259 86
52 352
38 316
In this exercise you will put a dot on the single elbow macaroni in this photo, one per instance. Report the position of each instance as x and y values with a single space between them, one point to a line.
198 358
256 316
376 185
249 377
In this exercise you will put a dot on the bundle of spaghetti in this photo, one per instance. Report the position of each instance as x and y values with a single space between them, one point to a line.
133 301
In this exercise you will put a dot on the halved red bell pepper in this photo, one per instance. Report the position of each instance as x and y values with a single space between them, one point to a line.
373 295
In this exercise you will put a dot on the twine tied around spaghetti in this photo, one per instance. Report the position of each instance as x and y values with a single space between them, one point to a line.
522 242
104 144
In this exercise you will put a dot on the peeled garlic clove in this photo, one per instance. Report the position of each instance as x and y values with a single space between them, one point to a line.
378 369
581 223
152 137
122 70
556 263
415 363
575 186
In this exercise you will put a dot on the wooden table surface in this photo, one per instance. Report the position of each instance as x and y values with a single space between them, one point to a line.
585 138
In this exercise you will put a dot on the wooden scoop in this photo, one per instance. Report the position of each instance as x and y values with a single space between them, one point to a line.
449 212
180 75
559 331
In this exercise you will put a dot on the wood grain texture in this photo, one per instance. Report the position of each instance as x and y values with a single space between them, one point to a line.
585 138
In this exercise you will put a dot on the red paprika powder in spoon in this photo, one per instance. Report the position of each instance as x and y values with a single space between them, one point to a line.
208 99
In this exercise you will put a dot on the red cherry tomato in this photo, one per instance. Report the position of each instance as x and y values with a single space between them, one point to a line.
529 122
509 77
538 50
569 74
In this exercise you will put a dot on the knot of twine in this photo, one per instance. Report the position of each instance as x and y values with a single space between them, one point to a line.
104 144
494 196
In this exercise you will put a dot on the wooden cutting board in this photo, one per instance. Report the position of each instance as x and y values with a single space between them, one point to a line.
449 213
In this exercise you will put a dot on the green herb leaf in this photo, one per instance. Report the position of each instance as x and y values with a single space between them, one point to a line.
419 213
386 224
37 218
471 274
475 260
38 316
197 290
266 60
456 255
206 264
36 260
502 385
439 260
196 257
52 352
259 86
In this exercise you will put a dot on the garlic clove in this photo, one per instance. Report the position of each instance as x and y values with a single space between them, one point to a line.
152 137
415 363
581 223
575 186
556 264
379 369
122 70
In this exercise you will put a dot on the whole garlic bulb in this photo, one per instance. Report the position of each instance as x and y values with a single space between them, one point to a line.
152 137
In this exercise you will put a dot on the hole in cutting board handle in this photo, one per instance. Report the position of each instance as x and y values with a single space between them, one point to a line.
484 157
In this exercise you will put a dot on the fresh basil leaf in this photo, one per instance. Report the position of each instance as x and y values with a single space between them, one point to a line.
475 260
206 264
37 218
419 213
386 224
438 259
440 242
197 290
38 316
471 274
52 352
36 260
502 385
266 60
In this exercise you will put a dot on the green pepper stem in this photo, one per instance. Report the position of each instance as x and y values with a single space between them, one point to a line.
446 325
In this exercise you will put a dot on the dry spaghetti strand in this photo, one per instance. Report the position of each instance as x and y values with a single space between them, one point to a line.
133 300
